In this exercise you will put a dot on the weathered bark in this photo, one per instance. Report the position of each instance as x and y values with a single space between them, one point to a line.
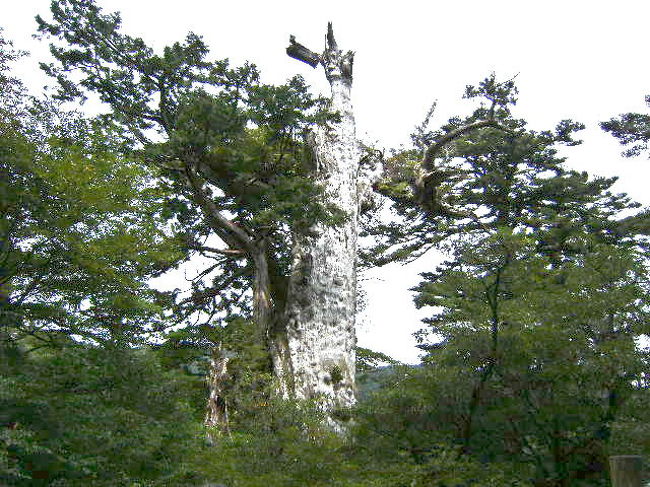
216 417
301 53
267 308
308 320
321 303
241 244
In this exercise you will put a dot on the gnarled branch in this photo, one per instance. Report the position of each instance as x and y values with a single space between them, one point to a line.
301 53
235 237
336 63
434 149
426 186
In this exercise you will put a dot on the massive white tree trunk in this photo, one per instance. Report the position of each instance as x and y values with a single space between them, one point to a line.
309 322
321 302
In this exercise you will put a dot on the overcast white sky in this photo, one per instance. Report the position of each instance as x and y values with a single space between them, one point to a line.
580 59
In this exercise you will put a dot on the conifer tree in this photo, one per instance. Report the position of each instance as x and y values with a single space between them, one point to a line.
232 152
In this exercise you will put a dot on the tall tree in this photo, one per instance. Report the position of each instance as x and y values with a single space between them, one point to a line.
321 315
232 151
545 350
81 229
543 281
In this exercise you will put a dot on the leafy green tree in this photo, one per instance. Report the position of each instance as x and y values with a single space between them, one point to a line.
547 351
531 367
229 149
632 130
470 177
531 347
82 229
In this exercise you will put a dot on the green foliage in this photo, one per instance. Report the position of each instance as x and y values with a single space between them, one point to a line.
12 88
286 443
370 360
82 227
412 423
532 366
228 150
533 377
277 442
493 177
629 432
91 416
632 130
204 108
249 368
82 230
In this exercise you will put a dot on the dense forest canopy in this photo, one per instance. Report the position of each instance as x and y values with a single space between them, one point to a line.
609 77
532 372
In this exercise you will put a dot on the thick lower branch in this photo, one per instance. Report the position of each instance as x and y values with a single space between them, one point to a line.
434 149
234 236
301 53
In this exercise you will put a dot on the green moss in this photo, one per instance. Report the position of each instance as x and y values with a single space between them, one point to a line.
336 374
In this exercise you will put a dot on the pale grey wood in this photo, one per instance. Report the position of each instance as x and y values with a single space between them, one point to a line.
321 305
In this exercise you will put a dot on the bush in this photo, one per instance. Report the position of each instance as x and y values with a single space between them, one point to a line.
92 416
